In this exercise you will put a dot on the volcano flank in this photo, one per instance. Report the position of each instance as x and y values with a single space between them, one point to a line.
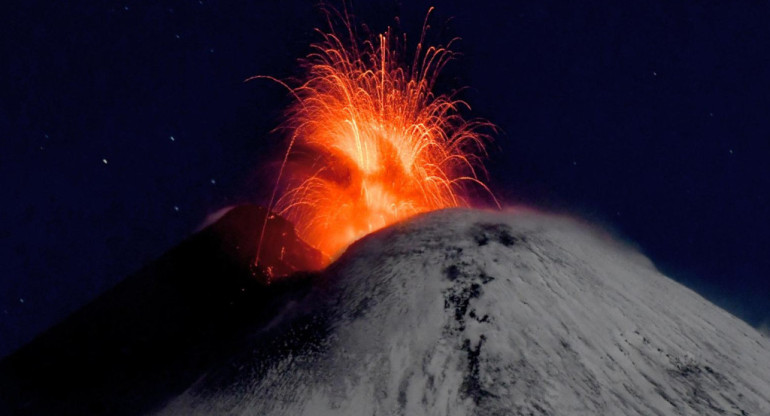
160 329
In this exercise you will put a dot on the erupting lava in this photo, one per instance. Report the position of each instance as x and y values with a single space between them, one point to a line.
371 143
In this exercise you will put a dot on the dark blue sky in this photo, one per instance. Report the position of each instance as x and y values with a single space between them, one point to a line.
651 119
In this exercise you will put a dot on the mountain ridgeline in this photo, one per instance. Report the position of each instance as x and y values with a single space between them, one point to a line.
159 330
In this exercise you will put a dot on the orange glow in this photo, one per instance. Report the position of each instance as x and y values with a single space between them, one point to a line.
371 143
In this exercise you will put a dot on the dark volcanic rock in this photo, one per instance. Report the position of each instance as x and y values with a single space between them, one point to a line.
155 333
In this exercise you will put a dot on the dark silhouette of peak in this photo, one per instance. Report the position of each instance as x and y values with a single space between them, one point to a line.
157 331
282 251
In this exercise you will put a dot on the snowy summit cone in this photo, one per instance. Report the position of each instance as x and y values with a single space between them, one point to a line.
464 312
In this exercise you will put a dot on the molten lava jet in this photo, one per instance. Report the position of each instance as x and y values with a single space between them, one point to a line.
371 143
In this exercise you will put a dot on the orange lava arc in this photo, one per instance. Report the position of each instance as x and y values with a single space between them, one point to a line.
371 142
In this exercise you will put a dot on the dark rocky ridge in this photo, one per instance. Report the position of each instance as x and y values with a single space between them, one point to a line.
156 332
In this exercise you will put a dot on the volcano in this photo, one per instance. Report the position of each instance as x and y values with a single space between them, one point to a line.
453 312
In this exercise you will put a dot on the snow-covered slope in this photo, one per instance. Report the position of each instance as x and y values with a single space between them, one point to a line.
468 312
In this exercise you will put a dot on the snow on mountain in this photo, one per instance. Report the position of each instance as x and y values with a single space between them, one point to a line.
464 312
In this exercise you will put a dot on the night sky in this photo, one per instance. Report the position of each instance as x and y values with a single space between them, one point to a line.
125 124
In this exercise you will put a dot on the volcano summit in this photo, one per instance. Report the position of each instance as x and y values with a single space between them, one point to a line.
461 312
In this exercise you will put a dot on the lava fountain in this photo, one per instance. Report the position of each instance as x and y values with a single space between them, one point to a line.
371 143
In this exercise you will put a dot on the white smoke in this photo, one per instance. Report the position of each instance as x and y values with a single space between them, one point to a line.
214 217
764 329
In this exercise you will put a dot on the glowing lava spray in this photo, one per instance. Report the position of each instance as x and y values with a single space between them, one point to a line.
371 143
